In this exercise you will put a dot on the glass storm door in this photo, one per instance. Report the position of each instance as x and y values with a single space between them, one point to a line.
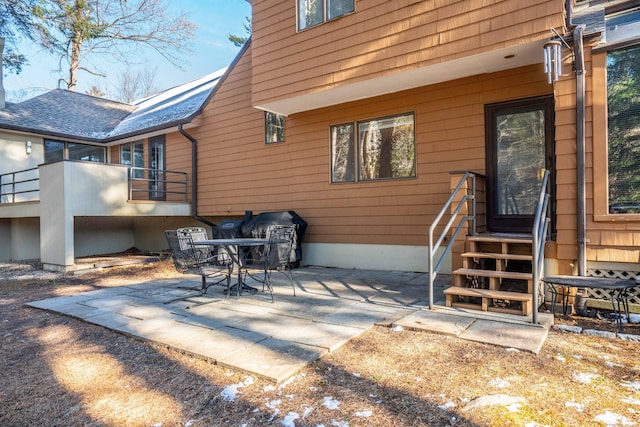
519 148
157 178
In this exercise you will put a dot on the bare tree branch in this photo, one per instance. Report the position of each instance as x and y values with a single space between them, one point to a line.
77 30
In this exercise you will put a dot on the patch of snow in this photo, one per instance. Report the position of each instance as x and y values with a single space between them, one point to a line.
357 375
633 386
577 406
330 403
267 388
189 423
611 419
339 423
307 411
273 404
633 318
447 406
577 356
230 392
585 378
613 365
289 419
365 414
631 401
499 383
561 358
512 350
514 407
492 400
397 328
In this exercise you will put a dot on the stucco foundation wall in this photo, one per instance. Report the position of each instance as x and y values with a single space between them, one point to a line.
102 235
370 257
25 238
149 232
5 240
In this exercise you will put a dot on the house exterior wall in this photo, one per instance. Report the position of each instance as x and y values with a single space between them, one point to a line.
239 172
383 38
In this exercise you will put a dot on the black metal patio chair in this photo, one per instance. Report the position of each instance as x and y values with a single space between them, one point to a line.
274 256
191 259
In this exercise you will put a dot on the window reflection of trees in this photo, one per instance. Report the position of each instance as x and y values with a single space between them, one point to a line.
623 99
520 158
387 148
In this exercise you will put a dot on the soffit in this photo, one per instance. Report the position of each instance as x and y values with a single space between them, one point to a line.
489 62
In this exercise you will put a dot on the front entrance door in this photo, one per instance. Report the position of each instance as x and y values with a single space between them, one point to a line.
519 145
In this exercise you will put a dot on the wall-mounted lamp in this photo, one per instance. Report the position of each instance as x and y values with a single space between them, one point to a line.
553 60
28 147
553 56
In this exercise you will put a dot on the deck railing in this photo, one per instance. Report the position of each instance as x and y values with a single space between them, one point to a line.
466 200
23 184
154 184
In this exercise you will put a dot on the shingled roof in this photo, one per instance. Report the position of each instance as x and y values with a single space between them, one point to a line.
65 114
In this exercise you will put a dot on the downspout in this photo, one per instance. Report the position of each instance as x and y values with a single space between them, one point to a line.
194 176
581 202
578 42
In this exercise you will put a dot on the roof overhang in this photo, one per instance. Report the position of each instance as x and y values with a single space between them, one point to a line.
488 62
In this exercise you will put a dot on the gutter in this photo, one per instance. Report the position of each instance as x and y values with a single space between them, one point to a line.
194 176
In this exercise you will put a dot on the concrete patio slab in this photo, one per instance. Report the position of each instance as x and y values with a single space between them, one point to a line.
436 321
277 359
523 337
273 340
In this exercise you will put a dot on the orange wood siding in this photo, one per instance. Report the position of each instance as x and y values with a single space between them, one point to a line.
384 37
238 171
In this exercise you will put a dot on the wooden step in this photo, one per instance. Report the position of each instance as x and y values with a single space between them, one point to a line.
488 255
493 238
487 296
471 272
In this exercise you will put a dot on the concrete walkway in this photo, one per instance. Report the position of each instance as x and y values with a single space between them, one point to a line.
274 340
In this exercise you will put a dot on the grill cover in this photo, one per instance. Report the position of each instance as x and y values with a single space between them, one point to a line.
257 227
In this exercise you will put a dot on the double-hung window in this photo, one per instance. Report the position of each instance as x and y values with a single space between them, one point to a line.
314 12
375 149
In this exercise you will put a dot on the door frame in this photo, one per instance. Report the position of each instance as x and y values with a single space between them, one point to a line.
517 223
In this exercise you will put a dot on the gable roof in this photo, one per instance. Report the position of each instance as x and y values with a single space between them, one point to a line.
64 114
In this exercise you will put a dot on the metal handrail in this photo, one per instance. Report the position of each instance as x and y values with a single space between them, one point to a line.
539 236
470 217
13 183
179 181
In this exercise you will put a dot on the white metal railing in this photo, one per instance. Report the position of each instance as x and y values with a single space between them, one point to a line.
19 183
469 217
539 235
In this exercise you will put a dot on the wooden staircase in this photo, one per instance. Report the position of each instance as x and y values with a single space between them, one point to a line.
495 275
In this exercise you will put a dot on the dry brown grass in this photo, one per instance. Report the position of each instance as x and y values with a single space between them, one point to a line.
57 370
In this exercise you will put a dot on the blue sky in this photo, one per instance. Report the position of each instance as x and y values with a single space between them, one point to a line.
211 51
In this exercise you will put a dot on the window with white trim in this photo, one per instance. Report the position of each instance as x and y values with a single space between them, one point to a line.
314 12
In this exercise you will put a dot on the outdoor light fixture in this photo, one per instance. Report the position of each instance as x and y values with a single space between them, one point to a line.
553 60
553 57
28 147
